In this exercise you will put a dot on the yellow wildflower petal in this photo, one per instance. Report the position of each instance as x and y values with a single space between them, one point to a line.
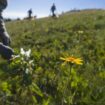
72 59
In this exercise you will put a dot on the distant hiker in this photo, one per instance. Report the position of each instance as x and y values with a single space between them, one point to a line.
30 13
53 9
5 51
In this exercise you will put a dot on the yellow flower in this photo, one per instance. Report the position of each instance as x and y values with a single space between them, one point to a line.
72 59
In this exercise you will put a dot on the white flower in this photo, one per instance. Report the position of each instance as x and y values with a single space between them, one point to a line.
27 71
14 57
25 53
30 62
22 51
28 53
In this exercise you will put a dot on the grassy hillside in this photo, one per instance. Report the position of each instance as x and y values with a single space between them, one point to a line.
81 34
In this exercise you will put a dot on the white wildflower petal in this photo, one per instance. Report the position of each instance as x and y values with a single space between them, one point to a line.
27 53
22 51
16 56
27 71
30 62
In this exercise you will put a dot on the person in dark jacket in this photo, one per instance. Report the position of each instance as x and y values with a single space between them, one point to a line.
30 13
5 51
53 9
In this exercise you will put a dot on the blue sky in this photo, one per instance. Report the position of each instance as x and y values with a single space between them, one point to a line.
41 8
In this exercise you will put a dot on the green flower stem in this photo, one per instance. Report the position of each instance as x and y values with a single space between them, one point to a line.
69 81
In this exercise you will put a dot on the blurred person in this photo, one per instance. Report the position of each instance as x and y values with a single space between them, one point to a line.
5 51
53 9
3 32
30 13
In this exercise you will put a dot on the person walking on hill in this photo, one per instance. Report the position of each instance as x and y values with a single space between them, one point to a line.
30 13
53 9
5 51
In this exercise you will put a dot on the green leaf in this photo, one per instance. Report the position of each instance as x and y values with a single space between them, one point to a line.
73 84
4 86
36 89
34 99
46 102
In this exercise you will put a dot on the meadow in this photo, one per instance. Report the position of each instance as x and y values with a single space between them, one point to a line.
63 62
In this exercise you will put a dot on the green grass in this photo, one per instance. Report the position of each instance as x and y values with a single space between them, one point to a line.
52 38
